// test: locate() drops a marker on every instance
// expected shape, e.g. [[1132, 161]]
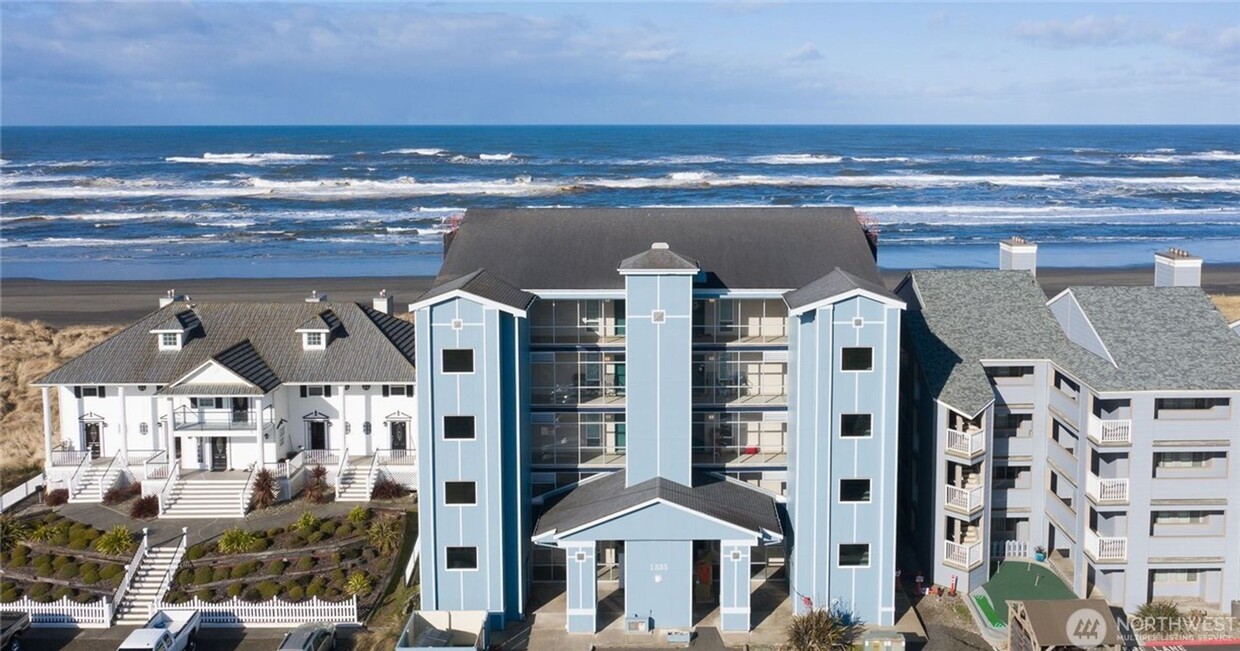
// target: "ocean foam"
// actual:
[[416, 152], [795, 159], [495, 157], [248, 158]]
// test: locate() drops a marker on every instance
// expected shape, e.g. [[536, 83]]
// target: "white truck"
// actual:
[[174, 629]]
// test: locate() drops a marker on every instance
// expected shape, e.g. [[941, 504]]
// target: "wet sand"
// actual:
[[75, 302]]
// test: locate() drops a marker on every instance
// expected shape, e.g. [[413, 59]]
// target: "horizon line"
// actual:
[[627, 125]]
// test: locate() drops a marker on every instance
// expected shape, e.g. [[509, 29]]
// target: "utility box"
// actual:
[[636, 624]]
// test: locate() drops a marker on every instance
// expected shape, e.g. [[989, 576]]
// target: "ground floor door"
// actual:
[[219, 453], [318, 434], [94, 438], [400, 434]]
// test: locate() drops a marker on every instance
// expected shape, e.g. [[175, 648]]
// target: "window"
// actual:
[[1175, 576], [314, 391], [458, 360], [1181, 459], [458, 427], [460, 493], [1011, 477], [1190, 403], [90, 392], [1065, 385], [206, 403], [855, 425], [169, 340], [857, 359], [854, 555], [461, 558], [1009, 371], [854, 490], [314, 340], [1180, 517], [397, 390]]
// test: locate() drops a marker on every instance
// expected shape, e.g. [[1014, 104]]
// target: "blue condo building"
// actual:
[[658, 411]]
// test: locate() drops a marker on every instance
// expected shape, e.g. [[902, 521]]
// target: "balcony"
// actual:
[[1110, 431], [965, 557], [577, 378], [740, 321], [966, 500], [1104, 549], [599, 394], [187, 418], [747, 378], [966, 444], [1106, 491], [740, 455], [577, 322]]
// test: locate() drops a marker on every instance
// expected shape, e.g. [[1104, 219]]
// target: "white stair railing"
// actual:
[[340, 468], [372, 474], [249, 488], [119, 463], [156, 466], [166, 582], [131, 570], [79, 475], [170, 484]]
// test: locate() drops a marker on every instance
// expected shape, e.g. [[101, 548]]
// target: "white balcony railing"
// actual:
[[1106, 548], [69, 457], [965, 557], [966, 500], [1106, 491], [186, 418], [969, 444], [1111, 431]]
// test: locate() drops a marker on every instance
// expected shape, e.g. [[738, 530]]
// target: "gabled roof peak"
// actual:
[[658, 258]]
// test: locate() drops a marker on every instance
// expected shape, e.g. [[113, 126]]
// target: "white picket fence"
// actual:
[[65, 613], [15, 495], [275, 613]]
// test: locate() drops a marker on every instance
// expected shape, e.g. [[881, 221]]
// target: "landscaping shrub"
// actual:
[[239, 572], [1159, 617], [118, 494], [344, 531], [358, 583], [196, 552], [56, 497], [236, 541], [235, 589], [61, 561], [205, 594], [823, 629], [384, 535], [267, 590], [12, 533], [175, 597], [39, 590], [252, 594], [359, 515], [316, 487], [89, 575], [44, 571], [294, 593], [9, 594], [386, 489], [275, 532], [314, 538], [327, 528], [202, 574], [118, 541], [337, 576], [337, 557], [19, 555], [45, 532], [305, 564], [78, 543], [266, 490], [67, 572], [316, 588], [219, 573], [275, 568], [145, 508], [261, 545], [369, 554], [60, 592], [306, 523], [111, 571]]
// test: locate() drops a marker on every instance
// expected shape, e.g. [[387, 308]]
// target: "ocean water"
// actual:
[[177, 202]]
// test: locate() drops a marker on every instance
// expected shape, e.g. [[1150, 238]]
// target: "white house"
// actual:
[[195, 390]]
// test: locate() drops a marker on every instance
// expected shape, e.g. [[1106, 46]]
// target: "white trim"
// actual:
[[869, 548], [477, 564], [840, 424], [443, 427], [840, 491], [1089, 322], [659, 272], [556, 535], [462, 294], [734, 610], [210, 362], [459, 481], [852, 293], [858, 370]]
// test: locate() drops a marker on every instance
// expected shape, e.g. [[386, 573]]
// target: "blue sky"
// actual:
[[597, 62]]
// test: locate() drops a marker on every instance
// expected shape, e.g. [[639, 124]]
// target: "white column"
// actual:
[[262, 443], [47, 427], [124, 423], [344, 427], [169, 426]]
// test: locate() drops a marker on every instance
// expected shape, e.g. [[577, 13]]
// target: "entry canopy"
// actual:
[[713, 508]]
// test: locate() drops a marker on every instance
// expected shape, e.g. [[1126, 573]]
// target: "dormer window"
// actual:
[[314, 340], [169, 340]]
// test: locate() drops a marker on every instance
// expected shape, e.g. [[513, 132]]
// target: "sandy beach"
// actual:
[[65, 303]]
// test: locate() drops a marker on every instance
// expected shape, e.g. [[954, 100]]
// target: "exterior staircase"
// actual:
[[98, 472], [134, 608], [206, 498], [352, 484]]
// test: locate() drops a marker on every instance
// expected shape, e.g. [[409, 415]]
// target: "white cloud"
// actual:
[[804, 53], [1087, 31], [651, 55]]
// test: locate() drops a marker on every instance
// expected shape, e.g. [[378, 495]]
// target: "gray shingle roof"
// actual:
[[361, 349], [482, 284], [211, 390], [1048, 619], [244, 360], [324, 321], [658, 258], [754, 248], [833, 284], [183, 321], [710, 495], [1161, 338]]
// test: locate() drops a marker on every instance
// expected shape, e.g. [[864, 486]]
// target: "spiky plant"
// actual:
[[1159, 617], [45, 532], [236, 541], [118, 541], [266, 490], [307, 523], [358, 583], [823, 630], [12, 532], [359, 514], [384, 535], [316, 487]]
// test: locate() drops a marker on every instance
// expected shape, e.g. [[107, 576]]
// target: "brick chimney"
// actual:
[[1017, 253], [1176, 268]]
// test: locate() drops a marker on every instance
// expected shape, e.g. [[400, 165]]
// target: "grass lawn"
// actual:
[[1017, 581]]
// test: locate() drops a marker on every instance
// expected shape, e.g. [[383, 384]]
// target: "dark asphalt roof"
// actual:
[[658, 258], [1048, 619], [184, 321], [833, 284], [753, 248], [710, 495], [366, 346], [482, 284]]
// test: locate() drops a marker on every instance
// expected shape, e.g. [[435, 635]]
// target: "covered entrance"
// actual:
[[92, 437], [675, 545], [398, 431], [316, 431], [218, 447]]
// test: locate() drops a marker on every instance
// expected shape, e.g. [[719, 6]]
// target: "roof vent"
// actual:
[[1018, 254], [316, 297], [661, 246], [1176, 268]]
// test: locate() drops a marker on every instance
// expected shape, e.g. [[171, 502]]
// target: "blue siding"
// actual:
[[658, 582]]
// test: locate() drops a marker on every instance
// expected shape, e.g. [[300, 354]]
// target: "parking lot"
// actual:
[[209, 639]]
